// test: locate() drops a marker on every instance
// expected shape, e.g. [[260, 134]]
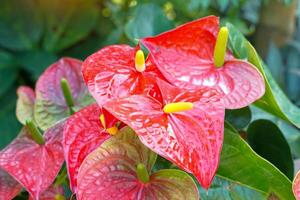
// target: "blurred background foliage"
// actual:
[[35, 33]]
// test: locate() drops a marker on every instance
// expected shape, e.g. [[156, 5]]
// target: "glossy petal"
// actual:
[[296, 186], [25, 104], [109, 173], [9, 187], [50, 104], [51, 193], [83, 133], [34, 166], [191, 139], [110, 73], [185, 57]]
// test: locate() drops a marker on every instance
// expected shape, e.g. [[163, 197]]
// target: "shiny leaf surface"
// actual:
[[25, 104], [240, 163], [109, 172], [268, 141], [50, 105], [185, 57], [83, 133], [191, 139], [110, 73], [34, 166]]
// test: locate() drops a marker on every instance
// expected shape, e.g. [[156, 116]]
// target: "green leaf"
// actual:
[[148, 20], [241, 164], [274, 101], [8, 73], [9, 126], [291, 133], [239, 118], [35, 62], [67, 22], [20, 24], [271, 145], [230, 190]]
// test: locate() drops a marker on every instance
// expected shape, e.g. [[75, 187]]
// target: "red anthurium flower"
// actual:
[[186, 127], [52, 193], [83, 133], [9, 187], [119, 169], [194, 55], [118, 71], [34, 165], [51, 105]]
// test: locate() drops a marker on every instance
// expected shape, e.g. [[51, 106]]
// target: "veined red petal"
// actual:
[[83, 133], [185, 57], [110, 73], [34, 166], [9, 187], [51, 193], [50, 104], [191, 139]]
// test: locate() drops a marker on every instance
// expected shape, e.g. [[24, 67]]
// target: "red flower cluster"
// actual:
[[175, 101]]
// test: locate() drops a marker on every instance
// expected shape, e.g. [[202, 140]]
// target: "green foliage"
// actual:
[[271, 145], [241, 164]]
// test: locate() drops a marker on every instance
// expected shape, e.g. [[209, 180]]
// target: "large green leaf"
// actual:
[[20, 24], [241, 164], [290, 132], [67, 22], [148, 20], [274, 101], [9, 126], [267, 140], [230, 190]]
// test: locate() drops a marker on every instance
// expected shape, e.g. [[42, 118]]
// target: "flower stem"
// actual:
[[142, 173], [35, 132], [65, 87]]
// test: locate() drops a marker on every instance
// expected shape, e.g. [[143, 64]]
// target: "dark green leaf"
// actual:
[[8, 73], [274, 101], [267, 140], [67, 22], [35, 62], [20, 24], [241, 164], [148, 20], [239, 118], [9, 126]]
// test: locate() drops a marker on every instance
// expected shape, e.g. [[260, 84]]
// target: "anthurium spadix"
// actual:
[[84, 132], [118, 71], [185, 127], [121, 169], [34, 160], [60, 91], [9, 187], [195, 55]]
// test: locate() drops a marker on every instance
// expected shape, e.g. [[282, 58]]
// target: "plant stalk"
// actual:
[[35, 132]]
